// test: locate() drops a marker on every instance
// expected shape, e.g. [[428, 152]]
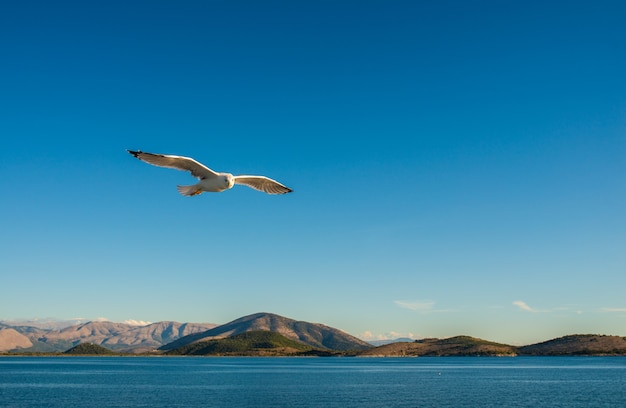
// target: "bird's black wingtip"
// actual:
[[135, 153]]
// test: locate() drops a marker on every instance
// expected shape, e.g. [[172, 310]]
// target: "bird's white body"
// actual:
[[222, 182], [209, 180]]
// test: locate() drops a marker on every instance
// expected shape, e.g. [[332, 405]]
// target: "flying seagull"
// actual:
[[210, 180]]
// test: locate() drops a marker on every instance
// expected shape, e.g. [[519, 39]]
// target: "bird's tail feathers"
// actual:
[[189, 190]]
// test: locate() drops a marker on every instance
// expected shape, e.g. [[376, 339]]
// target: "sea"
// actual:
[[312, 382]]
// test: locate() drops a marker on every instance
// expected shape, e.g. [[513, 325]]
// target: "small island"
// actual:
[[89, 349]]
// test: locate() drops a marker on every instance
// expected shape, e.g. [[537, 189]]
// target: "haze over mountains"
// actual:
[[115, 336]]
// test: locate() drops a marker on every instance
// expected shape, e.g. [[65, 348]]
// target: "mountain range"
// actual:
[[167, 336], [284, 336], [120, 337]]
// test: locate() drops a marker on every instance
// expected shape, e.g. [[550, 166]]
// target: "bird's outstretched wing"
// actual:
[[262, 183], [175, 162]]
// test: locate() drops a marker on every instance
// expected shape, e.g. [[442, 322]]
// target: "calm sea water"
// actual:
[[312, 382]]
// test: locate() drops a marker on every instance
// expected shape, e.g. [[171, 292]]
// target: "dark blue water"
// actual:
[[312, 382]]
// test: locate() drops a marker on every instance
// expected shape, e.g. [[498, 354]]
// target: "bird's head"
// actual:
[[229, 181]]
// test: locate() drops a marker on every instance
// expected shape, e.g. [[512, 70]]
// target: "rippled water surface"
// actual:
[[312, 382]]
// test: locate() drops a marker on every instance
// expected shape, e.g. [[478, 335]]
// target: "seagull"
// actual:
[[210, 181]]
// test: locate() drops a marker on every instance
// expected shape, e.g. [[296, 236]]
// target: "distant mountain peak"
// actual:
[[313, 334]]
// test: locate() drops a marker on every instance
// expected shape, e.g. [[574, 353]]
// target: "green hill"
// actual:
[[249, 343], [89, 349], [315, 335], [453, 346], [578, 345]]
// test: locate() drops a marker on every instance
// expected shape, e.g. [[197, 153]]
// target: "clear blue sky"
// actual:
[[458, 167]]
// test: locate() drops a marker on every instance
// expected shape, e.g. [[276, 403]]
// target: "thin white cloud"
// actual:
[[367, 335], [559, 309], [524, 306], [134, 322], [417, 305], [614, 309], [392, 335]]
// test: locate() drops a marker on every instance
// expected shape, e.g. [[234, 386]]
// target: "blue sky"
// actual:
[[458, 167]]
